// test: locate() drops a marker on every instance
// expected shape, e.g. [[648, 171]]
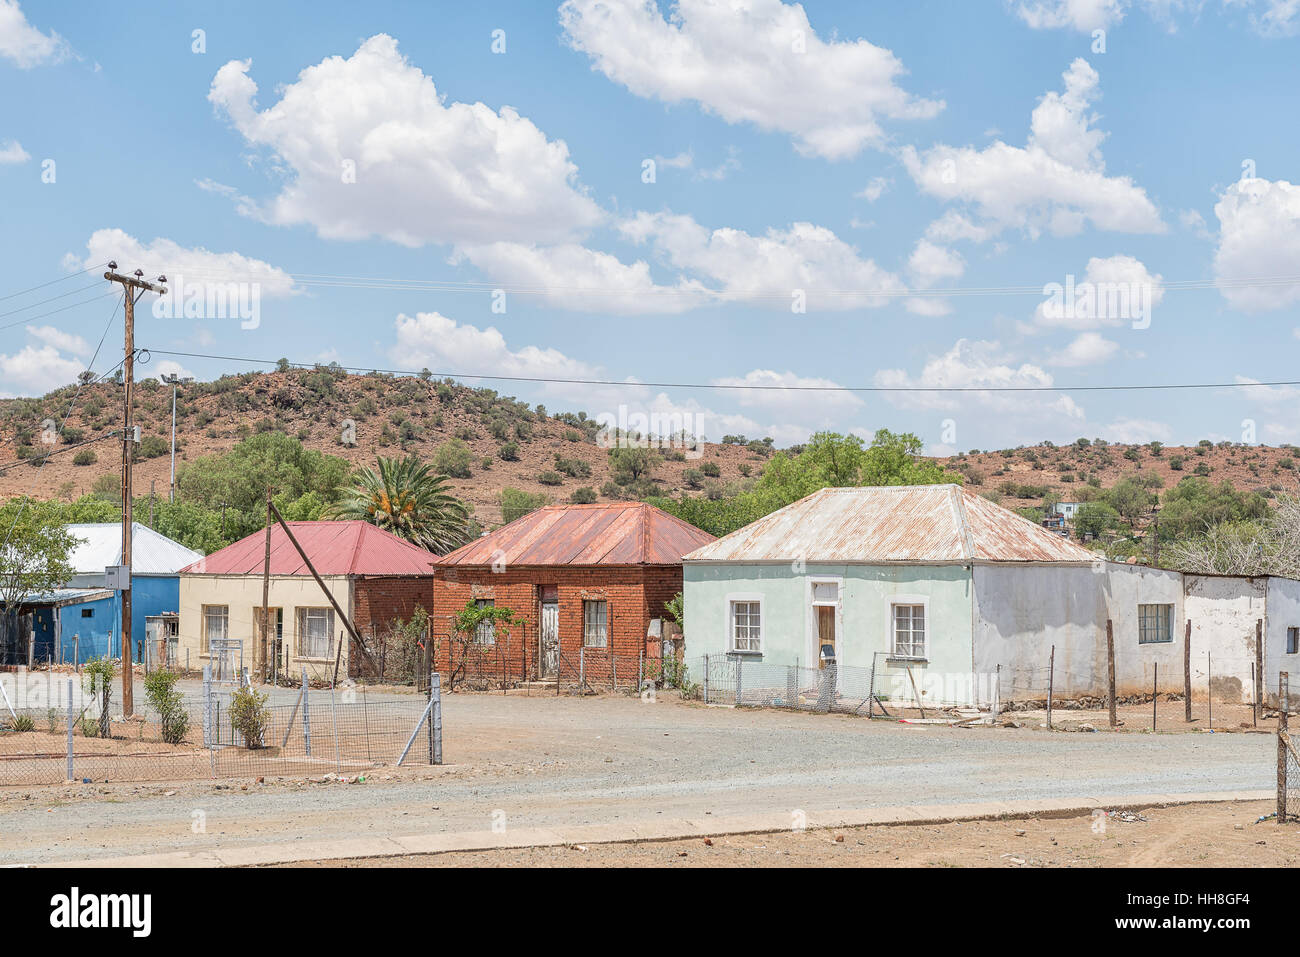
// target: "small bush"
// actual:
[[85, 457], [22, 722], [250, 716], [551, 478], [509, 452], [173, 719], [583, 496]]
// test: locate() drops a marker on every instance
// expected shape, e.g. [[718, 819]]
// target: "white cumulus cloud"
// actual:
[[770, 268], [24, 45], [749, 61], [1259, 238], [370, 148], [1056, 183]]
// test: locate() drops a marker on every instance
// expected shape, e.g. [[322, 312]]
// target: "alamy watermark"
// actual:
[[1127, 301], [211, 300]]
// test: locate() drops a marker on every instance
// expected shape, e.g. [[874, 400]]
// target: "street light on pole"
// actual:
[[174, 380]]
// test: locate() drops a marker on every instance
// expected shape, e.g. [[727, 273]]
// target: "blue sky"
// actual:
[[914, 173]]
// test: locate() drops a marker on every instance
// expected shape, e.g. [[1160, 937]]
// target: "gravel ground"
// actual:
[[546, 761], [1197, 835]]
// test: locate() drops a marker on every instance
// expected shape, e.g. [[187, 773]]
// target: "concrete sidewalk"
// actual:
[[659, 830]]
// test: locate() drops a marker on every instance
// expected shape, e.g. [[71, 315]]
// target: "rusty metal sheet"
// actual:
[[335, 548], [619, 533], [922, 524]]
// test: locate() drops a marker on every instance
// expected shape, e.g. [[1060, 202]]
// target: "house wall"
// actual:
[[1022, 612], [242, 594], [1283, 612], [863, 620], [150, 595], [378, 601], [1223, 611], [92, 637], [634, 595]]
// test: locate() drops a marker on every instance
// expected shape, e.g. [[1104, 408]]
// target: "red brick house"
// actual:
[[587, 581]]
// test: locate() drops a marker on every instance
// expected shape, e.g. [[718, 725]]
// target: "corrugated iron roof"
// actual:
[[335, 548], [918, 524], [152, 553], [66, 596], [618, 533]]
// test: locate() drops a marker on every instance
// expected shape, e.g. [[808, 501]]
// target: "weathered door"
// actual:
[[826, 650], [550, 639]]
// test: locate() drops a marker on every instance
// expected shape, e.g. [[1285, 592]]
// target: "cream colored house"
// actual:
[[373, 576]]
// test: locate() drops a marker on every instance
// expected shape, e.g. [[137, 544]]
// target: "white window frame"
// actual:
[[592, 639], [744, 599], [486, 631], [909, 601], [203, 631], [300, 616], [1169, 632]]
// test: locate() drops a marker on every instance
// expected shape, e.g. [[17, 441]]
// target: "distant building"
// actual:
[[938, 586], [1066, 510], [589, 581], [374, 575], [83, 619]]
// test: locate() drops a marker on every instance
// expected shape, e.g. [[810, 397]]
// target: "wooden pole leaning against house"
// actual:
[[338, 610]]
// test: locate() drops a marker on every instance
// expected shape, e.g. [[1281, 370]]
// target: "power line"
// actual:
[[73, 275], [757, 387], [59, 451], [900, 292], [74, 305]]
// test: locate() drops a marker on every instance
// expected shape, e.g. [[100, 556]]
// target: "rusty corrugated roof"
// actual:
[[620, 533], [918, 524], [335, 548]]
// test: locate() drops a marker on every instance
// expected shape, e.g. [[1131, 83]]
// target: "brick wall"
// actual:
[[634, 594], [379, 599]]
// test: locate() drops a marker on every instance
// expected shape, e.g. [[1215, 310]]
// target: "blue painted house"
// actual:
[[70, 624], [156, 562]]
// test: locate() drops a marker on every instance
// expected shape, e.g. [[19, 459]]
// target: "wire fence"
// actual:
[[334, 730]]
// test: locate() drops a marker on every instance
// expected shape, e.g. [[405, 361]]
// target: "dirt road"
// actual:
[[552, 762], [1196, 835]]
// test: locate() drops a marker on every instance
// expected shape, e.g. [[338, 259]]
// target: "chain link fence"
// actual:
[[338, 730]]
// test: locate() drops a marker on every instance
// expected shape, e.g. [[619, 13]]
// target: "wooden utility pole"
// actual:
[[1187, 672], [259, 654], [129, 298]]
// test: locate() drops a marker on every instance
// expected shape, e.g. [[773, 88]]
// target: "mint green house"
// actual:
[[899, 579]]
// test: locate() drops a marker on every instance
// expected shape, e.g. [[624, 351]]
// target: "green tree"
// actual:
[[516, 503], [35, 556], [1094, 518], [453, 458], [407, 499]]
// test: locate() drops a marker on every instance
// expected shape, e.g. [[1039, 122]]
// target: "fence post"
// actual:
[[871, 686], [306, 720], [1209, 689], [1283, 692], [740, 687], [1155, 692], [706, 679], [792, 686], [613, 670], [70, 720], [334, 723], [1110, 672], [1259, 664], [997, 691], [1187, 672], [207, 705], [582, 666], [435, 717], [1051, 679]]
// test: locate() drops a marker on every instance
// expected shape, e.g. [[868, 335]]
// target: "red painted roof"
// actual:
[[620, 533], [335, 548]]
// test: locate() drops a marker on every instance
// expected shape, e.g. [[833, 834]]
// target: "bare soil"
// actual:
[[1194, 835]]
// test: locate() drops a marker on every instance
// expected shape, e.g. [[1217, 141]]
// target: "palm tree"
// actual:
[[410, 501]]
